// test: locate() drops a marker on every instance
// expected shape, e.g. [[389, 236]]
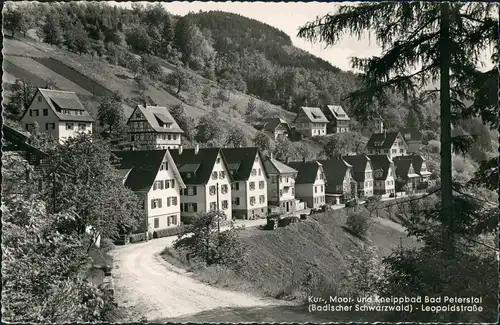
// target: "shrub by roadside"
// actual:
[[358, 221]]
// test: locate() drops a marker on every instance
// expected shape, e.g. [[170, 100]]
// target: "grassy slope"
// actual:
[[119, 79], [278, 261]]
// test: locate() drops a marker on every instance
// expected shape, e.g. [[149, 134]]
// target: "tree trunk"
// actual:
[[446, 167]]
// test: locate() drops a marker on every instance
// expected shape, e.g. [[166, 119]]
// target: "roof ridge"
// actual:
[[58, 91]]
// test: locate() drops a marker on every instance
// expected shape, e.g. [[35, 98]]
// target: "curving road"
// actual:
[[158, 290]]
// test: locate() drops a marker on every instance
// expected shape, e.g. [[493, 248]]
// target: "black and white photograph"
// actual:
[[250, 162]]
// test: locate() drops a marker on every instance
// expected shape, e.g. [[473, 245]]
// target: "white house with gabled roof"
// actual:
[[58, 113]]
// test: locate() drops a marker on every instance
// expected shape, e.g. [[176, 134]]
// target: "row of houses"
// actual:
[[243, 184]]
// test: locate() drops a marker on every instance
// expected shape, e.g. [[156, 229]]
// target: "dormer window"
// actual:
[[188, 175], [379, 143], [39, 98], [407, 136]]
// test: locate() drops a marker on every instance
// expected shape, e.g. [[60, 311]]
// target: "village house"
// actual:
[[154, 177], [406, 177], [419, 166], [340, 184], [384, 176], [58, 113], [413, 138], [310, 183], [310, 121], [339, 121], [391, 144], [153, 127], [249, 188], [276, 127], [280, 185], [368, 127], [362, 173], [208, 181]]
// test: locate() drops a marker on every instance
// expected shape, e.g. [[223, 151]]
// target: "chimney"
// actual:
[[180, 150], [196, 149]]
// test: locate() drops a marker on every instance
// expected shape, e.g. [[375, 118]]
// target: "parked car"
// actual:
[[272, 221], [283, 222]]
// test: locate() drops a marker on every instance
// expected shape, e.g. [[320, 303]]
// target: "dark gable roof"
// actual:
[[416, 161], [241, 160], [402, 167], [382, 140], [307, 171], [156, 116], [274, 166], [143, 166], [358, 163], [200, 165], [415, 134], [271, 124], [380, 162], [335, 171]]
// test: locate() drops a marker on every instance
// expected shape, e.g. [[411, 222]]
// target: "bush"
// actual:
[[167, 232], [187, 219], [358, 221], [136, 238]]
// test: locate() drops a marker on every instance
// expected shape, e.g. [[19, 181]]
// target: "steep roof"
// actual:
[[338, 112], [157, 116], [199, 165], [307, 171], [273, 166], [380, 162], [335, 170], [382, 140], [270, 124], [140, 168], [314, 114], [358, 163], [240, 161], [402, 167], [59, 100], [416, 161], [415, 134]]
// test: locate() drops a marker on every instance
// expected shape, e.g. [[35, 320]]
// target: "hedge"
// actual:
[[167, 232], [135, 238]]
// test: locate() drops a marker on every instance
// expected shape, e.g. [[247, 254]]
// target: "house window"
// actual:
[[218, 160], [39, 98], [254, 172], [45, 112], [50, 126], [169, 137], [252, 186], [394, 150], [155, 203], [281, 179], [321, 189], [213, 206], [222, 174], [237, 186], [281, 193], [293, 191], [164, 166], [236, 201], [401, 150], [261, 184], [224, 205], [273, 179], [69, 126], [224, 189], [262, 199], [158, 185], [252, 200], [214, 175], [82, 126], [212, 190], [260, 172], [156, 222], [315, 189]]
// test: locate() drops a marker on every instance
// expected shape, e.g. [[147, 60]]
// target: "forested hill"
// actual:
[[235, 32]]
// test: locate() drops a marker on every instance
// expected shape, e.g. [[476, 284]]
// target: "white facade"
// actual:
[[163, 198], [41, 112], [387, 186], [398, 148], [250, 197], [367, 186], [313, 193], [219, 183]]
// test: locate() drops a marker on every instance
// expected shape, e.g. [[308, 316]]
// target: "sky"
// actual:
[[289, 17]]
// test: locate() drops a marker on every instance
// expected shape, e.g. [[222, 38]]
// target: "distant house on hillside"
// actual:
[[208, 181], [340, 184], [249, 189], [58, 113], [17, 141], [391, 144], [418, 163], [339, 122], [154, 127], [276, 127], [406, 177], [280, 185], [383, 174], [153, 176], [310, 183], [363, 174], [413, 138], [310, 121], [367, 128]]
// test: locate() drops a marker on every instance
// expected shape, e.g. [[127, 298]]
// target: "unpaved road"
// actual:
[[158, 290]]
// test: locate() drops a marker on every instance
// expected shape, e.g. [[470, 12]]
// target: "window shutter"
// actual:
[[159, 203], [168, 221], [195, 207], [173, 183], [195, 189], [152, 204], [168, 201]]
